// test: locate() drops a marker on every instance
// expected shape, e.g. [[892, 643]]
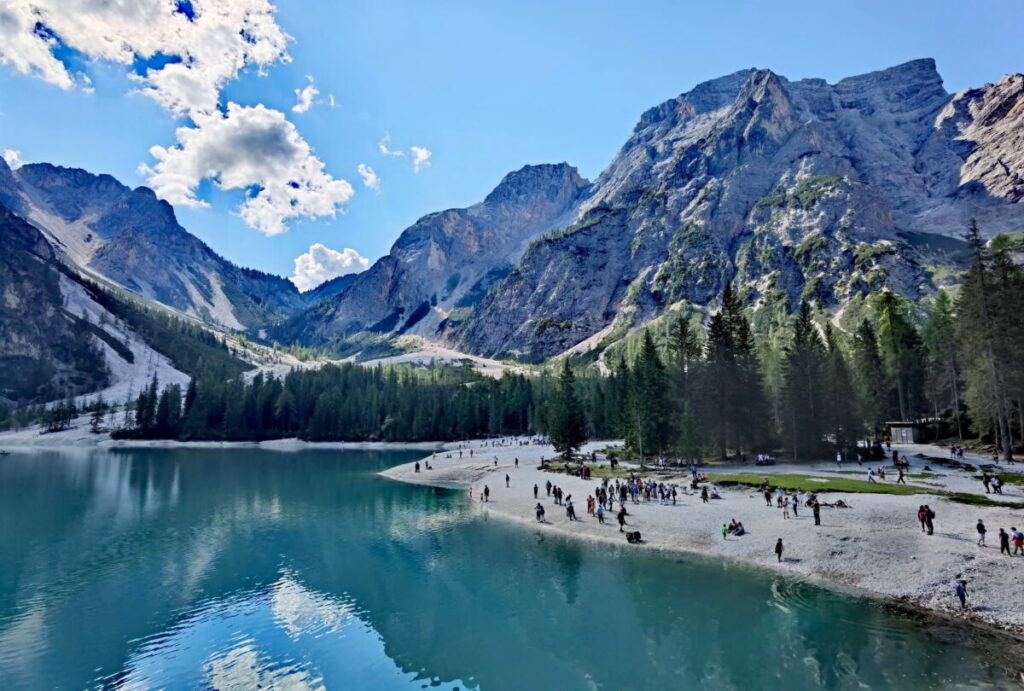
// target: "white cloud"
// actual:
[[13, 158], [213, 41], [370, 178], [254, 149], [330, 101], [322, 263], [382, 146], [420, 157], [306, 97]]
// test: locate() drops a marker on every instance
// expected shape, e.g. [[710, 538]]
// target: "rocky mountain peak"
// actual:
[[549, 182]]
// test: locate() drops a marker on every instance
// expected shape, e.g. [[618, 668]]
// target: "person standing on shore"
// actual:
[[535, 490], [1004, 542], [725, 532], [929, 518], [922, 516], [621, 517], [540, 512], [778, 550], [768, 498], [816, 507], [785, 507], [961, 593], [1018, 541], [506, 480], [600, 514], [547, 485], [487, 493], [981, 533], [704, 494]]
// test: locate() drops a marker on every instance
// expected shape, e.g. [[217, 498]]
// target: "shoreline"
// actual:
[[891, 561]]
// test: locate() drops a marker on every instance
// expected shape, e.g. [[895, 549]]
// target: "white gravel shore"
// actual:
[[875, 546]]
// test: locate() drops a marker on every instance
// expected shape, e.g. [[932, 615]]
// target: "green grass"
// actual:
[[808, 482], [820, 484]]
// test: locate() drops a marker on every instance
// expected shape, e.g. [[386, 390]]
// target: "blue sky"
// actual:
[[487, 87]]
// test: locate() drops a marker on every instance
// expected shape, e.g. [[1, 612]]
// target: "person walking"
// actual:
[[725, 532], [600, 514], [985, 479], [768, 498], [981, 533], [796, 503], [1004, 542], [778, 550], [961, 593], [517, 461], [1018, 541], [922, 516], [621, 518], [901, 480], [704, 494], [570, 512], [540, 512], [929, 518], [785, 507], [535, 490], [487, 493], [547, 485], [506, 480]]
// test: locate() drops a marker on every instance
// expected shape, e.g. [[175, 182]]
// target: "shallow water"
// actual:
[[237, 568]]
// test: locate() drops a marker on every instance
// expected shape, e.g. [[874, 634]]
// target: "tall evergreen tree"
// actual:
[[901, 350], [804, 368], [870, 378], [942, 382], [646, 428], [566, 421]]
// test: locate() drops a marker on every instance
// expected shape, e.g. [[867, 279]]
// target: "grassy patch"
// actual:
[[820, 484]]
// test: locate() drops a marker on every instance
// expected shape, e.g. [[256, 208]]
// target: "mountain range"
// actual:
[[788, 190]]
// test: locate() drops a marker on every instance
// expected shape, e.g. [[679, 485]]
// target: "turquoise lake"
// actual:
[[237, 569]]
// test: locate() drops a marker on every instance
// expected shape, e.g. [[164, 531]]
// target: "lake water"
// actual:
[[237, 568]]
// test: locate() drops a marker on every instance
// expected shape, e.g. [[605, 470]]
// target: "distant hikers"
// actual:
[[981, 533], [778, 550], [961, 593]]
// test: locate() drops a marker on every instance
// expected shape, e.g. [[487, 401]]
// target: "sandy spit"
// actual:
[[876, 547]]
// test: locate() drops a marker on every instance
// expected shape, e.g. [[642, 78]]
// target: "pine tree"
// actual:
[[845, 424], [988, 314], [566, 421], [869, 377], [901, 350], [942, 382], [804, 370], [646, 428]]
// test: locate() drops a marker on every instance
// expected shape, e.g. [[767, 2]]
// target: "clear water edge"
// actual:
[[172, 568]]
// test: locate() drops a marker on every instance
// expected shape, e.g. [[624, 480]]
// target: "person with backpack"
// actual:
[[929, 518], [922, 516]]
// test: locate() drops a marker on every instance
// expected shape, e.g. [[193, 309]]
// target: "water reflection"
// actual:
[[176, 569]]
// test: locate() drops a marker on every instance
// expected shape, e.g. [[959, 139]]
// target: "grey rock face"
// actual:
[[44, 352], [791, 189], [132, 238], [446, 262]]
